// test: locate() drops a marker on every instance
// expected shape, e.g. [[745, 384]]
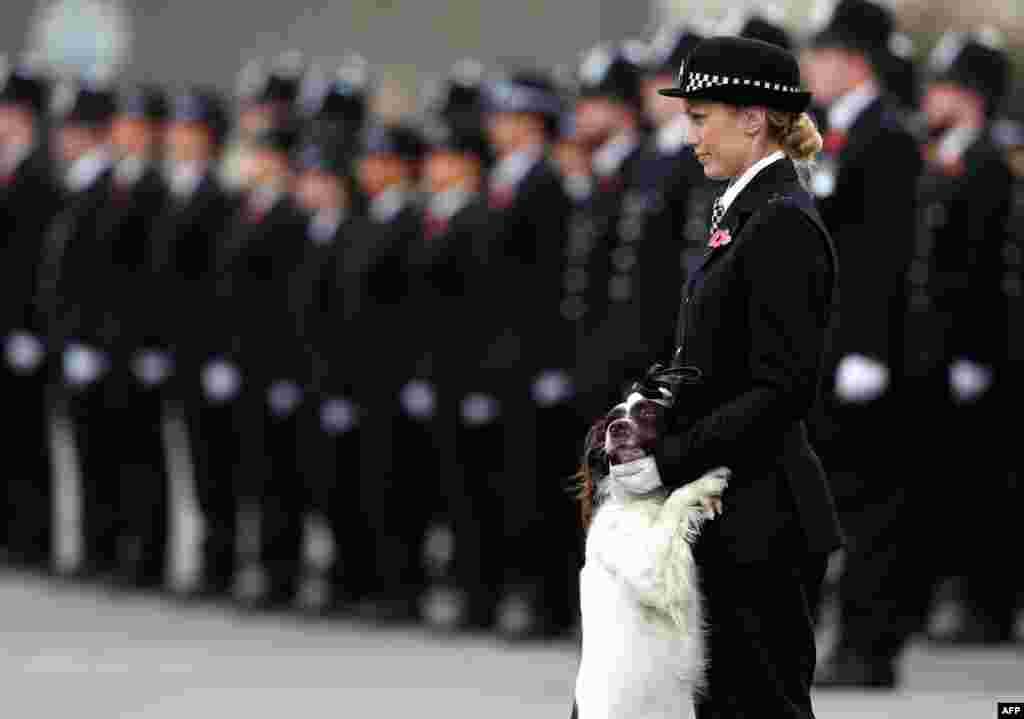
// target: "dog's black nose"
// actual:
[[620, 429]]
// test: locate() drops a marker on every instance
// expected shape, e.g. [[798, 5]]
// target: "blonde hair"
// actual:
[[797, 134]]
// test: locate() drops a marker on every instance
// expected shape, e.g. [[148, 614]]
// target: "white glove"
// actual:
[[24, 352], [152, 367], [479, 409], [83, 365], [419, 399], [861, 379], [637, 477], [284, 396], [338, 416], [221, 381], [552, 387], [969, 380]]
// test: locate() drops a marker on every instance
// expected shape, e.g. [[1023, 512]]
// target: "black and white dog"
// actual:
[[643, 633]]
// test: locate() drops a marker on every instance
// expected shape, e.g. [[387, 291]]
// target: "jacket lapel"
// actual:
[[768, 183]]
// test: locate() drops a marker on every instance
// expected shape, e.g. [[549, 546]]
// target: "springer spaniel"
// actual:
[[643, 634]]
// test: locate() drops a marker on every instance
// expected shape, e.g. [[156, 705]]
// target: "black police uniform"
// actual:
[[376, 308], [137, 198], [756, 327], [666, 179], [865, 183], [527, 231], [77, 276], [960, 301], [264, 309], [186, 241], [29, 200]]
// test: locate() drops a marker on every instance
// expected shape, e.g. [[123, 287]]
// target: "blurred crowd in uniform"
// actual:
[[405, 327]]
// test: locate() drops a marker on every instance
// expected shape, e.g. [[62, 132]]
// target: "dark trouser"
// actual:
[[397, 468], [476, 514], [26, 493], [538, 547], [761, 649], [144, 484], [283, 500], [118, 431], [216, 441], [895, 467], [333, 479]]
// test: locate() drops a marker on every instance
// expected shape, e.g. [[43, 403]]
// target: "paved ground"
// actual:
[[91, 655]]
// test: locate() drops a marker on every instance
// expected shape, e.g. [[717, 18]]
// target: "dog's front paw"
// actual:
[[709, 489]]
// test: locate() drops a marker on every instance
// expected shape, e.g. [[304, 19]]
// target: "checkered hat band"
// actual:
[[700, 81]]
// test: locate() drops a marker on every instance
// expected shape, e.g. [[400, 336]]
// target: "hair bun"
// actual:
[[803, 141]]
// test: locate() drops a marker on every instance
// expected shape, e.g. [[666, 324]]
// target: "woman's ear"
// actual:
[[753, 120]]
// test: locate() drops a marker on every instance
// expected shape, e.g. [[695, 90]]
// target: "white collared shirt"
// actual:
[[129, 169], [12, 156], [955, 142], [609, 157], [325, 224], [86, 169], [389, 203], [264, 198], [445, 205], [671, 136], [184, 178], [846, 109], [745, 179], [511, 170]]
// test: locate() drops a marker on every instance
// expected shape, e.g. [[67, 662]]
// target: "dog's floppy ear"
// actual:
[[593, 467]]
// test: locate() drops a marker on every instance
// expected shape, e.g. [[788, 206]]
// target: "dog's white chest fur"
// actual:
[[643, 643]]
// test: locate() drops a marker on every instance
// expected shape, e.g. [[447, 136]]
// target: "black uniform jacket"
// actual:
[[524, 269], [375, 291], [258, 322], [647, 258], [871, 215], [754, 320], [28, 203], [73, 281], [965, 254], [182, 272]]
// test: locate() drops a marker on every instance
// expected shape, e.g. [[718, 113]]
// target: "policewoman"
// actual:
[[754, 319]]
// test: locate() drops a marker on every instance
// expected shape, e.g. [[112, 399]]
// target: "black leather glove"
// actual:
[[662, 383]]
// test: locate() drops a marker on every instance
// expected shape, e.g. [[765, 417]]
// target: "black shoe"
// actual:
[[846, 670]]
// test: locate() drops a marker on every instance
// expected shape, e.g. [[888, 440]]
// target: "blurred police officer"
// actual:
[[337, 107], [73, 288], [443, 273], [29, 199], [266, 96], [330, 454], [264, 324], [961, 283], [530, 353], [599, 259], [186, 245], [666, 179], [139, 371], [865, 183], [377, 287]]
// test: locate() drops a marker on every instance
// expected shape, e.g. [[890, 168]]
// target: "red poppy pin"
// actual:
[[719, 238]]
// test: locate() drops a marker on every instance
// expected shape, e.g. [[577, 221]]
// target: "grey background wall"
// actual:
[[178, 41]]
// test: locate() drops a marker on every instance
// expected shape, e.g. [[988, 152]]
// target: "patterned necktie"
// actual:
[[717, 213]]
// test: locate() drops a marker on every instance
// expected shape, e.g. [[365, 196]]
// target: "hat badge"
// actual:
[[63, 99], [595, 66]]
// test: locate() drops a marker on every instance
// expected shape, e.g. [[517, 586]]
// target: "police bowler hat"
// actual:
[[741, 71]]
